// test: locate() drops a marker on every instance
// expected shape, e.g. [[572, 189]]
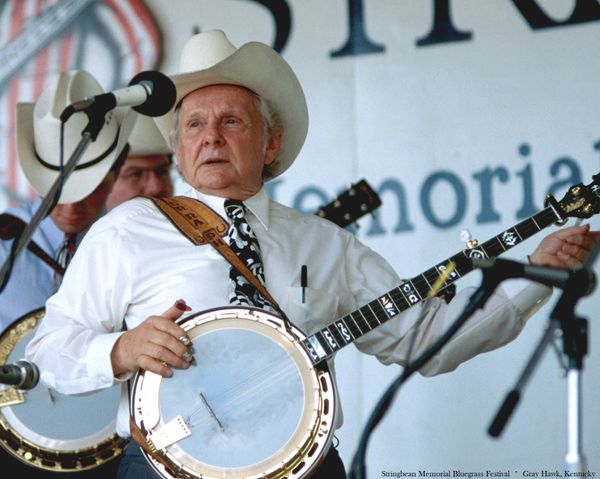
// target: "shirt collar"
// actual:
[[258, 204]]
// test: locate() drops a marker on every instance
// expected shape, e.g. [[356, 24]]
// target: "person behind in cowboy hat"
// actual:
[[82, 200], [241, 119], [147, 169], [83, 196]]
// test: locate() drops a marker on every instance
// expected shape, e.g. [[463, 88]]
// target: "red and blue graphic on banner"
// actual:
[[112, 39]]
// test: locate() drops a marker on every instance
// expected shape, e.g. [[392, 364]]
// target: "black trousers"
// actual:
[[135, 466], [17, 469]]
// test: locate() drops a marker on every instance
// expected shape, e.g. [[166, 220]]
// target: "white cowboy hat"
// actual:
[[146, 139], [38, 137], [209, 58]]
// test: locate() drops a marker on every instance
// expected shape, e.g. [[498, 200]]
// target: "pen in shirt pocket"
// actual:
[[303, 281]]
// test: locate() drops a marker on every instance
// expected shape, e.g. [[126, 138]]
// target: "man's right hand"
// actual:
[[156, 345]]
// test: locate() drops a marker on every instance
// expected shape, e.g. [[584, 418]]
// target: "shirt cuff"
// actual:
[[527, 296], [99, 363]]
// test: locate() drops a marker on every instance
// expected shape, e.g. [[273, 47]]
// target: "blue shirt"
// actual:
[[30, 282]]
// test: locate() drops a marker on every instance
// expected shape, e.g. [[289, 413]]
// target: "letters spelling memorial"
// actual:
[[561, 173]]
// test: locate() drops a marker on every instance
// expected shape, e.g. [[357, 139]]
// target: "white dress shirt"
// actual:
[[134, 263]]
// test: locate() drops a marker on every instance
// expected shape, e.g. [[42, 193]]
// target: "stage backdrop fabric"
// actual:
[[463, 115]]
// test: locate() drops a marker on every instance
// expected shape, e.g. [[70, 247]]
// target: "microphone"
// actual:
[[558, 277], [22, 374], [150, 93]]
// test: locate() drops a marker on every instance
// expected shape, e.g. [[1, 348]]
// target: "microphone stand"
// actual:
[[95, 116], [574, 335], [491, 280]]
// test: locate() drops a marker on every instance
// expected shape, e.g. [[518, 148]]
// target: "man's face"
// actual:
[[76, 217], [222, 147], [142, 175]]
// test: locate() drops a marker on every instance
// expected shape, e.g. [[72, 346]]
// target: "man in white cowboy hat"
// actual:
[[83, 196], [35, 275], [241, 119], [147, 169]]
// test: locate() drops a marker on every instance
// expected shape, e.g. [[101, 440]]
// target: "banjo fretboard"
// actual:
[[326, 342]]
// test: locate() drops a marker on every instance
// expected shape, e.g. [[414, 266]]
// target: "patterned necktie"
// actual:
[[243, 242], [63, 257]]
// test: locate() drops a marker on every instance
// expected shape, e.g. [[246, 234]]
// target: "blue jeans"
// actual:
[[135, 466]]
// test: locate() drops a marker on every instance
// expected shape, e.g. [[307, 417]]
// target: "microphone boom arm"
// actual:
[[477, 301]]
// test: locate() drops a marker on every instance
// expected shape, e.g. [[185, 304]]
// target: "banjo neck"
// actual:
[[580, 201]]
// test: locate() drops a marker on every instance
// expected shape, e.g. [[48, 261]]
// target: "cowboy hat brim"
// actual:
[[82, 181]]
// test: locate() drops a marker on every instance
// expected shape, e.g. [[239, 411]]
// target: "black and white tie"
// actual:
[[63, 257], [243, 242]]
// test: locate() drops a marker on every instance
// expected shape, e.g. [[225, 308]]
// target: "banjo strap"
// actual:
[[201, 225]]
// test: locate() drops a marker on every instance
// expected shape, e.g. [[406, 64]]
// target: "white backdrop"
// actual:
[[510, 98], [469, 133]]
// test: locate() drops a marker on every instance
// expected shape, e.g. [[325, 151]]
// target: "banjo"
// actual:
[[260, 400], [69, 434], [49, 430]]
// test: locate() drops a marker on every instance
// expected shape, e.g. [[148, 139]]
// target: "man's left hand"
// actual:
[[565, 248]]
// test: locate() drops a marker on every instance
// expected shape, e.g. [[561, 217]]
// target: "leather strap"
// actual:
[[12, 227], [138, 436], [201, 225]]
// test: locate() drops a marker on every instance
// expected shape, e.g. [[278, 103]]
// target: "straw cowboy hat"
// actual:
[[146, 139], [209, 58], [38, 137]]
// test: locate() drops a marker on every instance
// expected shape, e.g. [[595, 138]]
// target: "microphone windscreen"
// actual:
[[162, 97]]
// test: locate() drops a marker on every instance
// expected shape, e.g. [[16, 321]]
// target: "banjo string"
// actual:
[[228, 400]]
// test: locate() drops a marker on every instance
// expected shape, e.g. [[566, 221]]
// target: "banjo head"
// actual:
[[49, 430], [251, 405]]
